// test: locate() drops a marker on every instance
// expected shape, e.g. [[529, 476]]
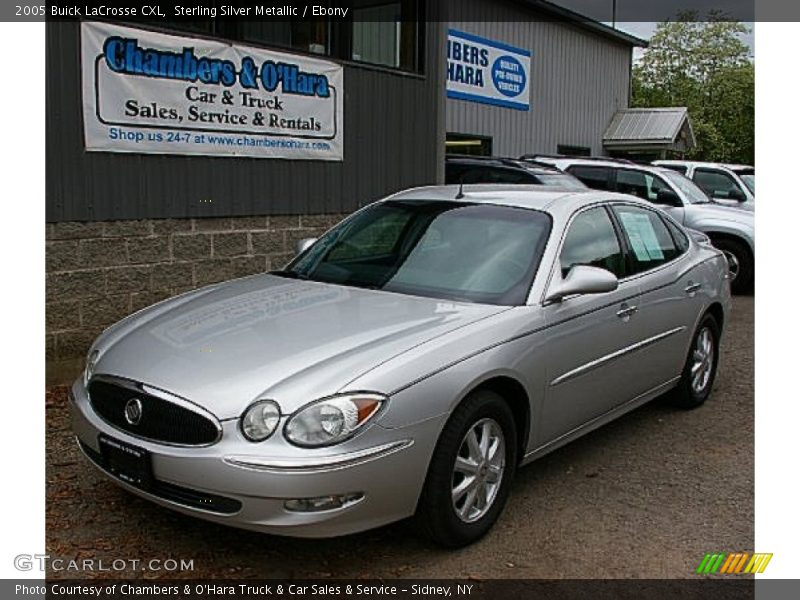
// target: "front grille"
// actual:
[[174, 493], [161, 420]]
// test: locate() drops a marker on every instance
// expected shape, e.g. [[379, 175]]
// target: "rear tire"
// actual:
[[740, 261], [469, 478], [700, 370]]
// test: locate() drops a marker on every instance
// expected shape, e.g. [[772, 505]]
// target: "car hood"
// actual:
[[748, 206], [722, 212], [268, 336]]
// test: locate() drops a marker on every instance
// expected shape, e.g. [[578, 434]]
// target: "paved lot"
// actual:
[[645, 496]]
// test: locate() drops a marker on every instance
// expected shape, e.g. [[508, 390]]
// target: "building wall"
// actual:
[[578, 80], [391, 124], [98, 272]]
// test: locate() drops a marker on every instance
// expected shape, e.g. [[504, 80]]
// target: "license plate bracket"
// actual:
[[125, 461]]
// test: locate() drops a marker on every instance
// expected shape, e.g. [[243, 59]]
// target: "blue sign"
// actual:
[[487, 71]]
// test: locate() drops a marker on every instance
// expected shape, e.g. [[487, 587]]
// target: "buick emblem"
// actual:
[[133, 411]]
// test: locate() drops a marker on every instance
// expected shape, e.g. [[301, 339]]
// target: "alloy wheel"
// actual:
[[478, 470], [702, 360]]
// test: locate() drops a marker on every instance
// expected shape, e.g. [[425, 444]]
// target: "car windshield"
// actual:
[[443, 249], [561, 180], [689, 188], [749, 178]]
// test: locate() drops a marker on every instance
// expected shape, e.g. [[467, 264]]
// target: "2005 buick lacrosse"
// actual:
[[407, 362]]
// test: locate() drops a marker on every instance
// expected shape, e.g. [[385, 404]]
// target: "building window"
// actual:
[[472, 145], [387, 34], [382, 33], [568, 150]]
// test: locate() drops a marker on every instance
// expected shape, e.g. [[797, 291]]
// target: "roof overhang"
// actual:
[[559, 13], [667, 128]]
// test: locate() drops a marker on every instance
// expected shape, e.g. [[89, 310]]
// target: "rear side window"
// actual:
[[648, 238], [456, 175], [597, 178], [501, 175], [680, 239], [592, 241]]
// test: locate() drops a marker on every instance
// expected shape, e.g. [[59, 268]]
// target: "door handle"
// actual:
[[692, 288], [626, 311]]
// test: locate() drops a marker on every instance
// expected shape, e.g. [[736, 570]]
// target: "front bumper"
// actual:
[[242, 484]]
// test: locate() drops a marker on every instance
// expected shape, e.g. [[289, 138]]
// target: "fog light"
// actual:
[[322, 502]]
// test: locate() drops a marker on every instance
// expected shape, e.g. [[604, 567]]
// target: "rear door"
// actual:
[[670, 292]]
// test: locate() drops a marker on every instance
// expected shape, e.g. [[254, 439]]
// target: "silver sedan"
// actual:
[[407, 362]]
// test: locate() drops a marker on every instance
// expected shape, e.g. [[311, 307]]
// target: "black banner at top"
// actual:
[[605, 11]]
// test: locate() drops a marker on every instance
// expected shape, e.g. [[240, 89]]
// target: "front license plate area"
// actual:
[[129, 463]]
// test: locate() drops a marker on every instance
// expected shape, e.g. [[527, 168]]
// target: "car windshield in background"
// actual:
[[561, 180], [689, 188], [749, 178], [450, 250]]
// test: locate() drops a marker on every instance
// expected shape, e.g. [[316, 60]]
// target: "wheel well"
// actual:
[[715, 310], [712, 235], [515, 395]]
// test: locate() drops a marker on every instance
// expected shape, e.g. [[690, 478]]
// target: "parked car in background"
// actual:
[[474, 169], [722, 182], [731, 229], [407, 362]]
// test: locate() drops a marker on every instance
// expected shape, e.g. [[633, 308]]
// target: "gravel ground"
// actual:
[[646, 496]]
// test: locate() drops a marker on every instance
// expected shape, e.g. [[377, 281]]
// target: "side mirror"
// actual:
[[304, 245], [583, 279], [736, 194], [668, 198]]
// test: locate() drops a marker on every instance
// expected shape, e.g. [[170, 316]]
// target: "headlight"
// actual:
[[260, 420], [91, 362], [331, 420]]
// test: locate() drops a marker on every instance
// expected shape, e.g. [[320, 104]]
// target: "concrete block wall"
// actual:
[[99, 272]]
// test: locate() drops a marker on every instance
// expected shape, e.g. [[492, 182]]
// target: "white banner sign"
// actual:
[[487, 71], [166, 94]]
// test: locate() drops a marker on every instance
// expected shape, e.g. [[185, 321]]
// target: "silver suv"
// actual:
[[730, 228], [729, 184]]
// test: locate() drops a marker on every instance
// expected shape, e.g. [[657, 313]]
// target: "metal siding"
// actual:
[[390, 122], [579, 79]]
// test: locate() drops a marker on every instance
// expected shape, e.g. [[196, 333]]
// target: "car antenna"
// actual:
[[460, 193]]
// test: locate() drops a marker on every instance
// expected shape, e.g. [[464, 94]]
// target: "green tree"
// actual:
[[705, 66]]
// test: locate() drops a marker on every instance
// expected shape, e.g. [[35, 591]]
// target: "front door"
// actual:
[[590, 366]]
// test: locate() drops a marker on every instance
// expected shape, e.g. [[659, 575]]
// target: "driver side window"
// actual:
[[592, 241], [715, 183]]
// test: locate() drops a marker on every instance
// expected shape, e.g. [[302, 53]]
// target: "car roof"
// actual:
[[564, 163], [499, 161], [550, 199], [700, 163]]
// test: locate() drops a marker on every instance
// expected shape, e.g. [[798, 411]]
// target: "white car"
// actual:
[[731, 229], [725, 183]]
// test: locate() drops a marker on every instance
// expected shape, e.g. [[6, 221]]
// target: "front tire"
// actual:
[[469, 478], [700, 369]]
